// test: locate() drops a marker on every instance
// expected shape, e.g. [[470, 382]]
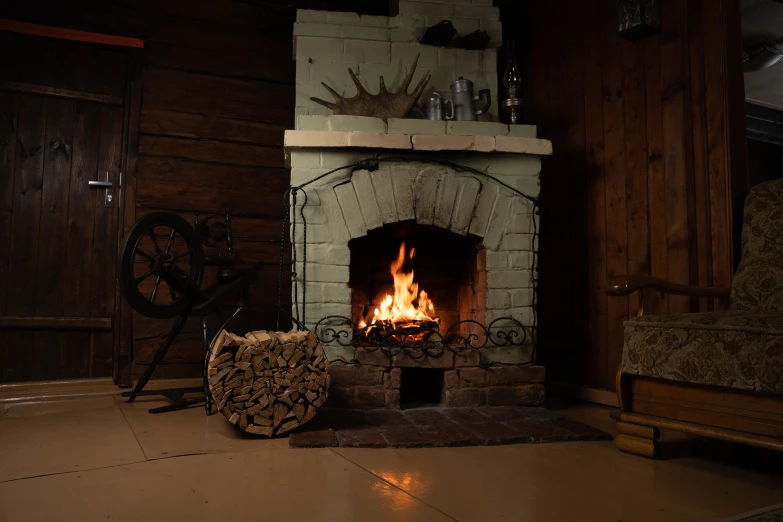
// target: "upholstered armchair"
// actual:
[[716, 374]]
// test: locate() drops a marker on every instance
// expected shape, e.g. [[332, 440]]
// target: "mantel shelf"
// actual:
[[308, 139]]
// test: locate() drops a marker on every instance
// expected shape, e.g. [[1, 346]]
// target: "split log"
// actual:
[[268, 383]]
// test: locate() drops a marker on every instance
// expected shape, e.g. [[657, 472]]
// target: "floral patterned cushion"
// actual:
[[735, 348], [758, 283]]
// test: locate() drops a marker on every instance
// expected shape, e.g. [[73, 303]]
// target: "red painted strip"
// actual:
[[69, 34]]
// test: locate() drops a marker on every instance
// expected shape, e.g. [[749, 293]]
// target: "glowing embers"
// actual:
[[407, 314]]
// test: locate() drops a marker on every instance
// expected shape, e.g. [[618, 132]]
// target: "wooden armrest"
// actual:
[[628, 284]]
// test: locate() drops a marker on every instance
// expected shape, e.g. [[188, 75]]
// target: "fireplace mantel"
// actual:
[[417, 135]]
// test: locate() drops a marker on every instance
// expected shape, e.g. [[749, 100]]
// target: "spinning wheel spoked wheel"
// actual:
[[161, 264]]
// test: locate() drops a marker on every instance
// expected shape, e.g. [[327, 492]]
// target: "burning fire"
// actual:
[[409, 306]]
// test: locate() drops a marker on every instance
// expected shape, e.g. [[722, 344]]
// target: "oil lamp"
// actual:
[[513, 82]]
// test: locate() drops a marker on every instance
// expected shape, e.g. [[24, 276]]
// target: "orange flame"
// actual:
[[400, 307]]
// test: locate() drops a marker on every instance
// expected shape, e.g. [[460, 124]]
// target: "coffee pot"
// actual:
[[465, 102]]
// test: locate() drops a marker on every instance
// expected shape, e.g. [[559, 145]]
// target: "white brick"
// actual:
[[508, 279], [374, 21], [315, 234], [515, 242], [483, 2], [498, 299], [312, 111], [476, 11], [476, 128], [412, 126], [309, 122], [302, 72], [427, 142], [497, 223], [369, 74], [405, 34], [314, 293], [440, 81], [322, 30], [402, 181], [526, 184], [478, 162], [343, 18], [447, 195], [352, 213], [324, 254], [379, 140], [317, 273], [521, 298], [523, 259], [408, 20], [304, 139], [335, 158], [365, 193], [365, 33], [334, 216], [489, 62], [465, 203], [300, 176], [520, 223], [384, 190], [314, 215], [447, 58], [497, 260], [524, 146], [465, 26], [305, 159], [491, 26], [408, 7], [486, 202], [425, 191], [309, 15], [484, 143], [306, 196], [340, 122], [362, 51], [336, 293], [332, 74], [517, 165], [318, 49], [468, 64], [406, 53]]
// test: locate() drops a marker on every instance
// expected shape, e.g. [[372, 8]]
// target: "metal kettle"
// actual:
[[465, 102]]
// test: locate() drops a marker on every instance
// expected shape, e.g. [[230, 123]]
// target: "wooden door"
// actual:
[[61, 125]]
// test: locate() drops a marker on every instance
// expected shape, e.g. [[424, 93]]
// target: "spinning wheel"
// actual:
[[160, 268], [161, 264]]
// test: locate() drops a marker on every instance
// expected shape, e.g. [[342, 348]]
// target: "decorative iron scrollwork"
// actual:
[[420, 341]]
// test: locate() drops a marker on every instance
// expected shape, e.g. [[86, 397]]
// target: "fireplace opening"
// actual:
[[405, 277], [421, 387]]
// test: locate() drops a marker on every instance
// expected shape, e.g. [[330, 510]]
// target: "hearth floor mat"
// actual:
[[440, 427]]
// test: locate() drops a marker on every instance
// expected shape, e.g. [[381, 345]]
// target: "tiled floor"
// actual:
[[101, 459]]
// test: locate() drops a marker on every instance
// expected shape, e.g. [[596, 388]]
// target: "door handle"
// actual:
[[111, 177]]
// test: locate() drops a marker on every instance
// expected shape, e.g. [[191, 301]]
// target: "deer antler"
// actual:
[[384, 105]]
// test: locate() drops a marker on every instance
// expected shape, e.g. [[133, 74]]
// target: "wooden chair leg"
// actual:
[[637, 439]]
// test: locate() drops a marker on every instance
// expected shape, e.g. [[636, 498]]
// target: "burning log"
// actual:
[[268, 383]]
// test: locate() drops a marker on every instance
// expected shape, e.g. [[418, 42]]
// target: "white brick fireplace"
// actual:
[[410, 185]]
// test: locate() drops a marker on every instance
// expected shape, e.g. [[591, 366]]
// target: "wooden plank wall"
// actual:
[[217, 95], [649, 170]]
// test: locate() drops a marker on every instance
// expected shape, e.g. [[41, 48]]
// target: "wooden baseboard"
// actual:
[[45, 391], [582, 393]]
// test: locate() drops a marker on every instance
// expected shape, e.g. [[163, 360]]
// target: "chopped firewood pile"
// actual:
[[268, 383]]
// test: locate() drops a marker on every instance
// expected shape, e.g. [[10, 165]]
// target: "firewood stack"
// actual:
[[268, 383]]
